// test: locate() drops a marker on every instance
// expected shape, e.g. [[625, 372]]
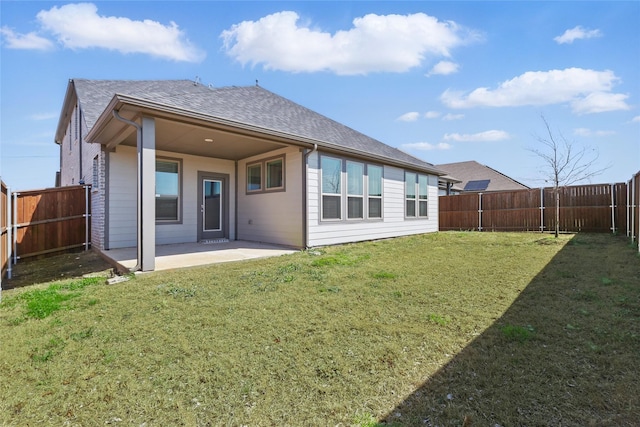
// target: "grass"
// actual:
[[506, 329]]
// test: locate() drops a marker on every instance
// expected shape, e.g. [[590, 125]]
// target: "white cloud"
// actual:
[[432, 114], [43, 116], [487, 136], [449, 117], [78, 26], [599, 102], [409, 117], [444, 68], [588, 132], [375, 43], [577, 33], [588, 91], [426, 146], [636, 119], [30, 41]]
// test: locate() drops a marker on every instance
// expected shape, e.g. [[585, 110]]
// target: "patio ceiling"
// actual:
[[184, 133], [201, 141]]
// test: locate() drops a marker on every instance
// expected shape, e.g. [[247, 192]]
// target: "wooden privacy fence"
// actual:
[[46, 221], [612, 208]]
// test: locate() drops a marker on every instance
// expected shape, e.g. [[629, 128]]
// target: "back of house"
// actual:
[[173, 161]]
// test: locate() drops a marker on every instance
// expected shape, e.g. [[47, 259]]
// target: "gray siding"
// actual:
[[393, 223]]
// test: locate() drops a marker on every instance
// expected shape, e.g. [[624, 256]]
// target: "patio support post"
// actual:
[[147, 195]]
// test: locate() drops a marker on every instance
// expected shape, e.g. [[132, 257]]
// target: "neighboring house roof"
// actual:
[[250, 105], [476, 177]]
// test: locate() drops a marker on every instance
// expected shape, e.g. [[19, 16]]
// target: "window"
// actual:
[[331, 188], [167, 190], [374, 174], [355, 190], [254, 177], [410, 193], [273, 178], [274, 173], [423, 195], [362, 190], [95, 183], [416, 195]]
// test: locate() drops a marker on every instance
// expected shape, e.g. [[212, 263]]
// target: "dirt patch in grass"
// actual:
[[56, 267]]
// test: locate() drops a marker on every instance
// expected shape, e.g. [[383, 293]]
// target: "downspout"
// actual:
[[305, 196], [139, 204]]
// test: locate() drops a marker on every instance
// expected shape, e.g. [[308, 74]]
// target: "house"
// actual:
[[473, 177], [176, 162]]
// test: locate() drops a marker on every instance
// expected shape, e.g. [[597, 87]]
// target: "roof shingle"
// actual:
[[250, 105]]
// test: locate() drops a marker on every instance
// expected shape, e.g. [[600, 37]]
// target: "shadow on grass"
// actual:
[[566, 352], [56, 267]]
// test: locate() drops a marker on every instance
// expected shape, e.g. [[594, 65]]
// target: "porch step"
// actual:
[[213, 241]]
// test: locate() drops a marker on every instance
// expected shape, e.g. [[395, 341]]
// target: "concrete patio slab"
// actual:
[[192, 254]]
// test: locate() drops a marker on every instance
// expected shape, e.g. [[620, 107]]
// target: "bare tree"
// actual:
[[564, 164]]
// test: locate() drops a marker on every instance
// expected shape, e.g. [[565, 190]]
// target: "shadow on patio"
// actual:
[[193, 254], [566, 352]]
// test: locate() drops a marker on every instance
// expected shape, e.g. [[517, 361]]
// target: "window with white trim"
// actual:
[[374, 184], [355, 190], [167, 190], [265, 175], [410, 194], [423, 195], [350, 190], [331, 188], [416, 195]]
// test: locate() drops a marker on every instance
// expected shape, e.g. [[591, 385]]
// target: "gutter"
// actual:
[[139, 195]]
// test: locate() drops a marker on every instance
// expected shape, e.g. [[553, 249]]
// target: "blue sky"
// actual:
[[445, 81]]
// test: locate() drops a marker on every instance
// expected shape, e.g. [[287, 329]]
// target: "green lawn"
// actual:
[[504, 329]]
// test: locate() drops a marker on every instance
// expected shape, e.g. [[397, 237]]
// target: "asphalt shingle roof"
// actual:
[[250, 105]]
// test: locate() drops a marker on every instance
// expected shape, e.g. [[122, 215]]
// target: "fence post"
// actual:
[[479, 211], [15, 227], [86, 217], [613, 209], [633, 210], [541, 209], [9, 233], [628, 215]]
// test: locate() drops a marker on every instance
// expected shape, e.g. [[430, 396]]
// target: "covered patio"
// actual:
[[181, 255]]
